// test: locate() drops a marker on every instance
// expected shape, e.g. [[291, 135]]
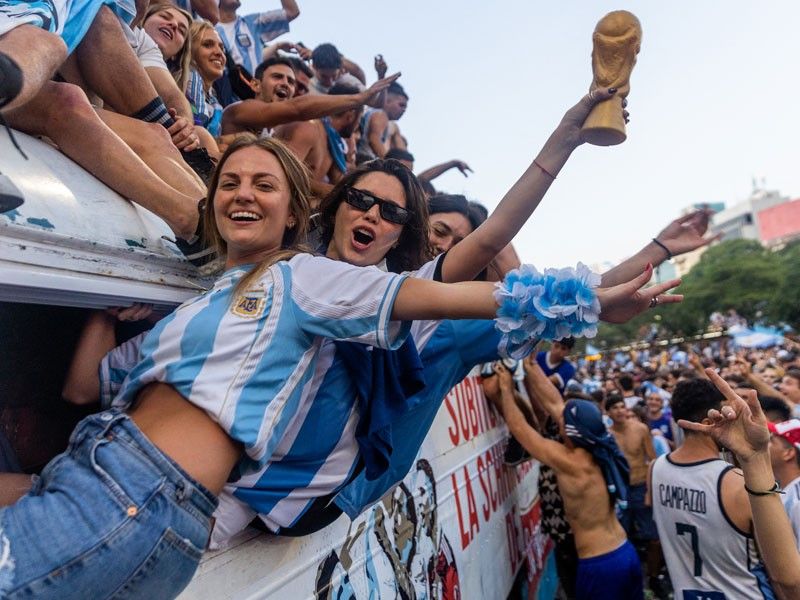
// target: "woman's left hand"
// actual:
[[622, 302], [686, 233], [569, 129]]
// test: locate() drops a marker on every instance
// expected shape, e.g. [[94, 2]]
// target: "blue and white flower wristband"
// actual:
[[552, 305]]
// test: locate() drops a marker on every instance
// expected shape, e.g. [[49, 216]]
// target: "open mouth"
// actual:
[[282, 94], [167, 33], [218, 63], [245, 217], [362, 238]]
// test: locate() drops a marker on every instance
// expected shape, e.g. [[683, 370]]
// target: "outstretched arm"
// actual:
[[467, 258], [683, 235], [542, 389], [82, 383], [761, 386], [256, 114], [741, 427], [437, 170], [547, 451], [431, 300]]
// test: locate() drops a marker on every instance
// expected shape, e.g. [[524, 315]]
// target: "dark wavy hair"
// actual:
[[693, 398], [413, 249]]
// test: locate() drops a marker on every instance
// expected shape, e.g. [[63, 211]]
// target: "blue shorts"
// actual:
[[69, 19], [49, 15], [637, 519], [82, 14], [111, 516], [616, 575]]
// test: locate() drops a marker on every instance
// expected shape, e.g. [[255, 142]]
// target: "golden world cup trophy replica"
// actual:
[[617, 39]]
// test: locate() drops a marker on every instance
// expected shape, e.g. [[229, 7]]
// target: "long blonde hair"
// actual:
[[178, 65], [299, 181], [196, 33]]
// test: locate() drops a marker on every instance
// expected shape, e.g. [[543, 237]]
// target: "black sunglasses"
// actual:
[[364, 201]]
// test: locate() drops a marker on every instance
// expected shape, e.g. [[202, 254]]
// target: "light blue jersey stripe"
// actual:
[[247, 360]]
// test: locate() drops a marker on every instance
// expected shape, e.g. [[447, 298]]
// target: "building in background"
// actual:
[[780, 224], [741, 220]]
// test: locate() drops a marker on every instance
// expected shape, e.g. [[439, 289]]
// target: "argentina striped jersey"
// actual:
[[317, 453], [249, 360]]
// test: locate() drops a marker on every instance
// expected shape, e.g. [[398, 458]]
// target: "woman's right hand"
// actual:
[[622, 302]]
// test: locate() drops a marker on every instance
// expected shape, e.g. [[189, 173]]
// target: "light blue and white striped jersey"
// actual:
[[246, 37], [317, 453], [249, 360]]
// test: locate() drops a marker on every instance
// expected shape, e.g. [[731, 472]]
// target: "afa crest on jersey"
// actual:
[[251, 304]]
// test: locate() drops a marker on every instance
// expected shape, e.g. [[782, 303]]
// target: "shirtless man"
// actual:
[[592, 474], [321, 143], [275, 103], [379, 132], [636, 442]]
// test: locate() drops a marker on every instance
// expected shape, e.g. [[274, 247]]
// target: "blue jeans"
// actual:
[[111, 516]]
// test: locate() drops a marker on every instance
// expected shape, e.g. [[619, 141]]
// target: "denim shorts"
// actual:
[[111, 516]]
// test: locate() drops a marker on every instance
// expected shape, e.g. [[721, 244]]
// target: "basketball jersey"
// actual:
[[791, 502], [707, 556]]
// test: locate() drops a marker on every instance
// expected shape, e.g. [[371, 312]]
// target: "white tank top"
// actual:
[[707, 556]]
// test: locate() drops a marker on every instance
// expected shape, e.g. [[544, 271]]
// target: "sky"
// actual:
[[714, 103]]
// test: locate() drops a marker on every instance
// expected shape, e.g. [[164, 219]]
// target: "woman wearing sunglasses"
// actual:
[[376, 215]]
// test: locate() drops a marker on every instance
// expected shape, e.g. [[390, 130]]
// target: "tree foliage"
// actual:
[[785, 306]]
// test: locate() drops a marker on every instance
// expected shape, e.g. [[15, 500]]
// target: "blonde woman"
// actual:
[[208, 65]]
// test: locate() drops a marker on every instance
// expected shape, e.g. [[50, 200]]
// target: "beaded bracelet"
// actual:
[[552, 305]]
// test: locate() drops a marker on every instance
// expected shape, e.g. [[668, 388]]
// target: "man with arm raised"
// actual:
[[275, 104], [592, 474]]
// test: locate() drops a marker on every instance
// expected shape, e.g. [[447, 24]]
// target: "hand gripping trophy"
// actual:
[[617, 39]]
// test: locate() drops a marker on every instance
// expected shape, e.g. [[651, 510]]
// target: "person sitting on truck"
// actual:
[[275, 103], [160, 183], [208, 65]]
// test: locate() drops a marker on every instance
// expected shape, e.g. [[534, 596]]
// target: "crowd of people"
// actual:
[[284, 173], [654, 431]]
